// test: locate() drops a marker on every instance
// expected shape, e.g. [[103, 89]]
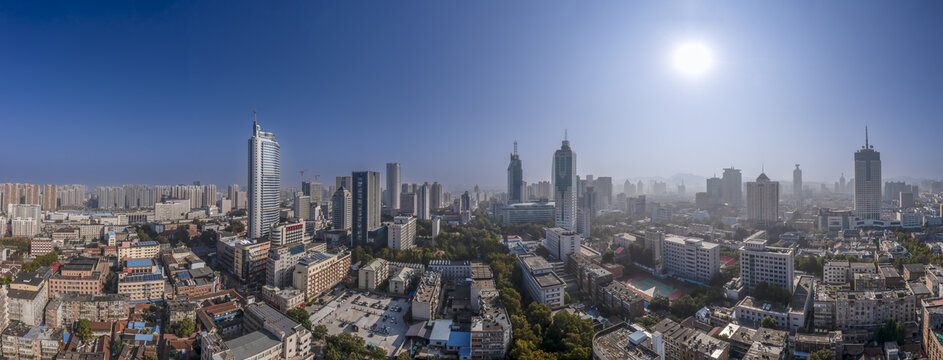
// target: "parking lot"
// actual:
[[380, 318]]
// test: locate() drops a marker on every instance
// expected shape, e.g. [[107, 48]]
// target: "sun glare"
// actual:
[[693, 59]]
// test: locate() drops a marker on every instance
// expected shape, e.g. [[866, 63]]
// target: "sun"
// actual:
[[693, 59]]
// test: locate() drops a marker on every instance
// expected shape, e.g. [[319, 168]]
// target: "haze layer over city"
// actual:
[[471, 180]]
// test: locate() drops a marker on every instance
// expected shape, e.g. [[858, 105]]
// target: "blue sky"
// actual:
[[138, 92]]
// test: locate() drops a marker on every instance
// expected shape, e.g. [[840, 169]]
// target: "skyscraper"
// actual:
[[423, 202], [763, 201], [733, 187], [715, 189], [603, 186], [435, 196], [797, 182], [515, 179], [341, 205], [365, 210], [264, 181], [49, 197], [233, 195], [867, 181], [564, 186], [393, 173]]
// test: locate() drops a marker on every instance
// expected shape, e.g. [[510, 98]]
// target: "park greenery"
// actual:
[[824, 354], [346, 345], [301, 316], [183, 328]]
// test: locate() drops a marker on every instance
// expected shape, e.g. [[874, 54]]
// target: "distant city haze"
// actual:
[[122, 92]]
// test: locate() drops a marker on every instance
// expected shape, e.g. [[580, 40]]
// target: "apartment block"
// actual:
[[543, 285], [79, 276], [67, 309], [772, 265], [425, 303], [138, 250], [372, 275], [318, 272], [402, 233]]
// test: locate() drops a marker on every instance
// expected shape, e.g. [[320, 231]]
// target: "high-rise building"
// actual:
[[435, 196], [628, 188], [393, 179], [341, 206], [564, 186], [366, 206], [867, 181], [515, 178], [49, 197], [423, 208], [691, 258], [797, 183], [344, 181], [640, 188], [603, 185], [19, 194], [264, 181], [772, 265], [402, 233], [907, 200], [763, 201], [302, 206], [561, 242], [733, 187], [233, 195], [544, 190]]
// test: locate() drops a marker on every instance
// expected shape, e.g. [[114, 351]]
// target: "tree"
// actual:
[[301, 316], [658, 303], [183, 328], [539, 314], [685, 306], [608, 256], [319, 332], [768, 322], [84, 330], [647, 321], [376, 353], [404, 355], [161, 240], [824, 354]]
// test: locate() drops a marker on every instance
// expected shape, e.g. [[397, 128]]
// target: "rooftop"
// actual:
[[139, 263], [273, 318], [251, 344]]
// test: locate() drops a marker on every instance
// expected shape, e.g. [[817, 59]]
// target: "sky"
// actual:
[[162, 93]]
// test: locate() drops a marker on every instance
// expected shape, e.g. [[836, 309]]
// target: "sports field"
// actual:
[[648, 287]]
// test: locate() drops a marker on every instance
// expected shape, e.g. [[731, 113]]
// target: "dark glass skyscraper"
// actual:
[[867, 181], [365, 209], [564, 186], [515, 178]]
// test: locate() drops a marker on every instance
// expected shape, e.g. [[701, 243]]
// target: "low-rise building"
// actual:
[[283, 299], [543, 285], [138, 250], [40, 246], [402, 280], [691, 258], [838, 308], [294, 339], [67, 309], [287, 233], [372, 275], [425, 303], [318, 272], [28, 295], [686, 343], [490, 328], [145, 287], [25, 342], [79, 276], [402, 233]]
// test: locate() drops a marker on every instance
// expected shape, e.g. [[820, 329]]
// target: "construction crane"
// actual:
[[303, 175]]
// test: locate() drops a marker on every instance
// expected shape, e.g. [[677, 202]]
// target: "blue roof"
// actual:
[[139, 262], [144, 243], [138, 325], [145, 277], [464, 352], [143, 337], [184, 275], [459, 339]]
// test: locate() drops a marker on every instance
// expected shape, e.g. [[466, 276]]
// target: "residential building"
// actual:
[[280, 264], [732, 187], [401, 233], [932, 331], [425, 303], [79, 276], [372, 275], [249, 260], [171, 210], [490, 327], [264, 182], [302, 207], [843, 272], [295, 340], [393, 180], [67, 309], [40, 246], [402, 280], [690, 258], [144, 287], [543, 285], [318, 272], [681, 342], [138, 250], [772, 265], [28, 295], [283, 299], [30, 342], [838, 308], [341, 207]]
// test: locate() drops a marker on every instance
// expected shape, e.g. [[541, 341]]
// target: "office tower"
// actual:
[[733, 187], [763, 201], [465, 204], [49, 197], [341, 207], [435, 196], [302, 206], [264, 182], [603, 185], [312, 190], [842, 184], [640, 188], [867, 182], [423, 208], [402, 233], [393, 180], [515, 178], [628, 188], [690, 258], [797, 182], [564, 185], [366, 206], [344, 181]]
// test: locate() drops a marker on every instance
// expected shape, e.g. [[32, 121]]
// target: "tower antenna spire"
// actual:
[[515, 147], [866, 145], [565, 135]]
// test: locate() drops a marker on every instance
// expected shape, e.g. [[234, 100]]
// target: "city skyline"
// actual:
[[184, 98]]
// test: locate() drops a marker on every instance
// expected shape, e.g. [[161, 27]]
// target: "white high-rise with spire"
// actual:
[[264, 181]]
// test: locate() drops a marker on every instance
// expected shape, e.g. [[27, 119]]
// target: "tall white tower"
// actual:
[[264, 181]]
